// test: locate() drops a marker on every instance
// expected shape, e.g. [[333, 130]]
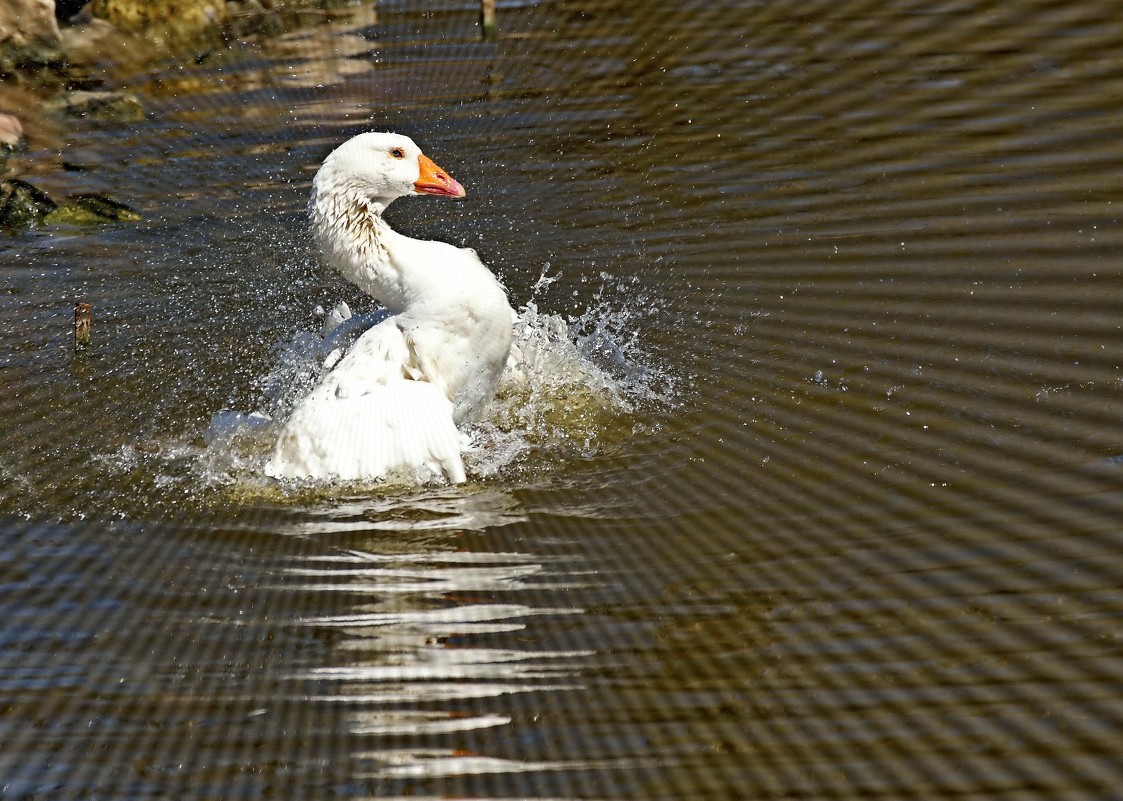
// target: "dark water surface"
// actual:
[[863, 538]]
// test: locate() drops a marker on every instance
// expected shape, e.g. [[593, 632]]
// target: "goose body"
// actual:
[[392, 404]]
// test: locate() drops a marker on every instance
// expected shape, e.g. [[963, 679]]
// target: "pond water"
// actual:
[[824, 501]]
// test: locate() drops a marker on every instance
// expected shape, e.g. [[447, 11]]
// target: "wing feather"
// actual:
[[371, 418]]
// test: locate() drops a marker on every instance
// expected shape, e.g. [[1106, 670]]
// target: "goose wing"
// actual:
[[373, 416]]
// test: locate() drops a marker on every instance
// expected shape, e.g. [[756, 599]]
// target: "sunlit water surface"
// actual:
[[813, 491]]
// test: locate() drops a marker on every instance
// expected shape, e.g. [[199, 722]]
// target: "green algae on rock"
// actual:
[[29, 35], [22, 204], [91, 208], [107, 107], [172, 22]]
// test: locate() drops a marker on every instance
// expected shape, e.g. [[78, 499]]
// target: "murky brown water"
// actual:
[[858, 536]]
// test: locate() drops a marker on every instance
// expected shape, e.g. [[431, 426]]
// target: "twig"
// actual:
[[487, 19], [83, 325]]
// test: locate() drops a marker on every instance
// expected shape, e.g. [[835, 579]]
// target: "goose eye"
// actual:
[[398, 153]]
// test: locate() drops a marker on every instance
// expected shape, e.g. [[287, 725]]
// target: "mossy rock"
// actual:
[[176, 24], [22, 204], [29, 36], [141, 15], [31, 57], [92, 208], [106, 107]]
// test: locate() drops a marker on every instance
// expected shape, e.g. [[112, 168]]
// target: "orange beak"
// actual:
[[435, 181]]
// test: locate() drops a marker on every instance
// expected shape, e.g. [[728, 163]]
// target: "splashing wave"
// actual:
[[571, 388]]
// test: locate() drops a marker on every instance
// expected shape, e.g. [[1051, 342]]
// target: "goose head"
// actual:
[[381, 167]]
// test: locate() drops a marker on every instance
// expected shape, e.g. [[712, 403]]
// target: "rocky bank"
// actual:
[[54, 53]]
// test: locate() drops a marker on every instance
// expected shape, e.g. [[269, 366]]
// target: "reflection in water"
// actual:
[[413, 510], [436, 764], [414, 654], [322, 55]]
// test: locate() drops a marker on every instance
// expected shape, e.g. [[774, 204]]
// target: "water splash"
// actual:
[[572, 387]]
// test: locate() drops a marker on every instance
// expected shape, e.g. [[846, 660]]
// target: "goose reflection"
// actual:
[[440, 633]]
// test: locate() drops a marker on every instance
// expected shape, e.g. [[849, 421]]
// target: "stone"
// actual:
[[171, 20], [22, 204], [106, 107], [250, 18], [29, 35], [11, 132], [89, 41], [244, 7], [90, 208]]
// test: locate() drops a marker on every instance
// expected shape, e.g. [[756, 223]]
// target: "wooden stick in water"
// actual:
[[487, 19], [83, 325]]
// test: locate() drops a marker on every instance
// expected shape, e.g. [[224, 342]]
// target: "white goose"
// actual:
[[392, 403]]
